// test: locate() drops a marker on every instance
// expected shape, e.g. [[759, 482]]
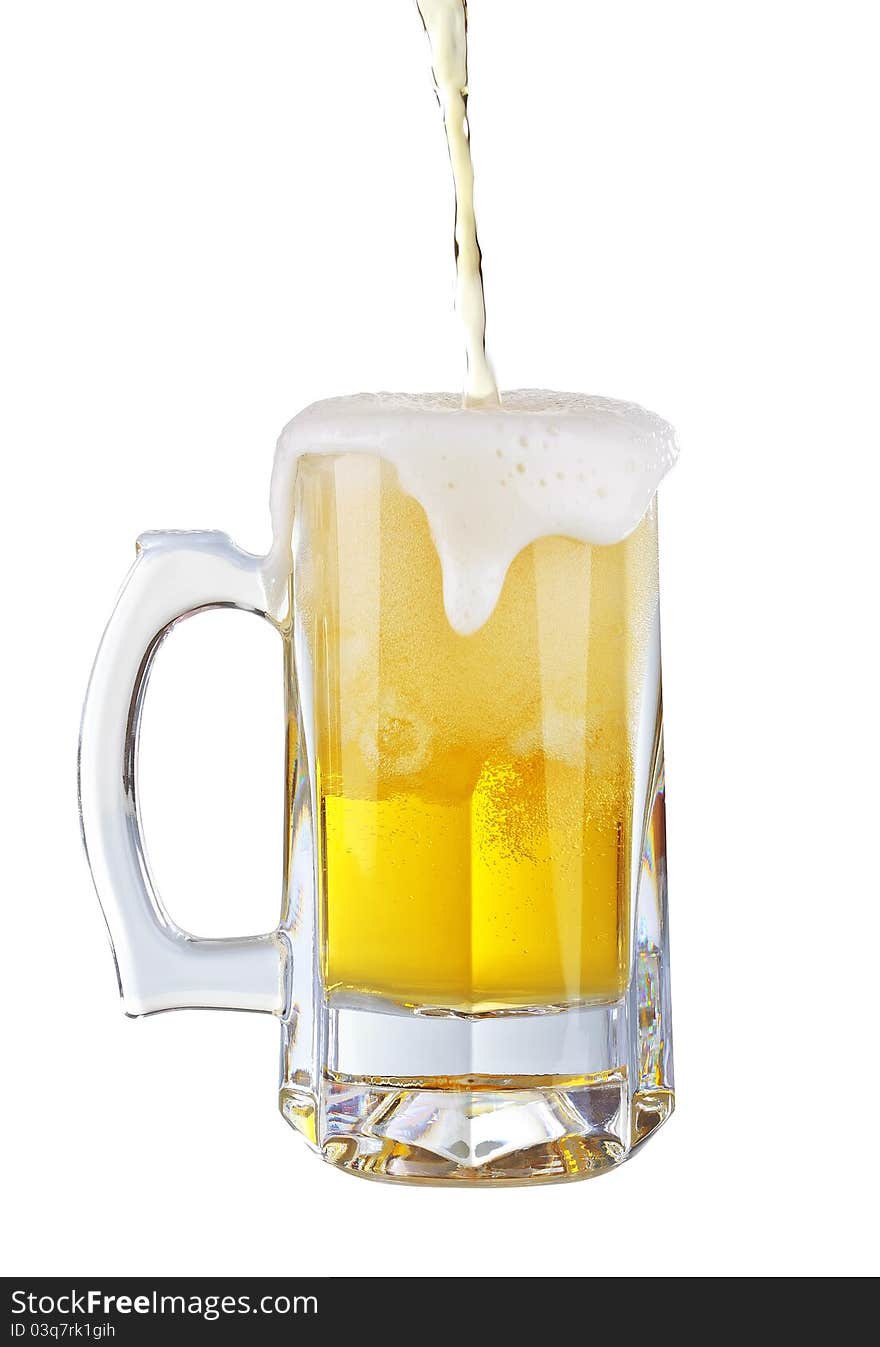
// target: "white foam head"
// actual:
[[490, 480]]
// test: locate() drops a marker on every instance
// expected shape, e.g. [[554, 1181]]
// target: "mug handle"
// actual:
[[160, 966]]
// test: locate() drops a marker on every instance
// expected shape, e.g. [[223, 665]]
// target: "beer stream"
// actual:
[[445, 23]]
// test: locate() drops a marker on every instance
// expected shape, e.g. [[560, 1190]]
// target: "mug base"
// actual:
[[472, 1130]]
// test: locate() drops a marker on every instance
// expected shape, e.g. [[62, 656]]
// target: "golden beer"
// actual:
[[475, 793]]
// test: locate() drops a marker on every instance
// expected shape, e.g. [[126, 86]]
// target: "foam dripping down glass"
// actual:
[[471, 966]]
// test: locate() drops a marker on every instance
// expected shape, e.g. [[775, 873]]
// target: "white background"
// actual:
[[216, 213]]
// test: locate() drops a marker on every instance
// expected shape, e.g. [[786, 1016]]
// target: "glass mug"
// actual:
[[471, 965]]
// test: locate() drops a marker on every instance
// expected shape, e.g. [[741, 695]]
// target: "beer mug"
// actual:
[[470, 969]]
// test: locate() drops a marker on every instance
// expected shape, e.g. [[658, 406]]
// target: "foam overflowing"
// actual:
[[490, 480]]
